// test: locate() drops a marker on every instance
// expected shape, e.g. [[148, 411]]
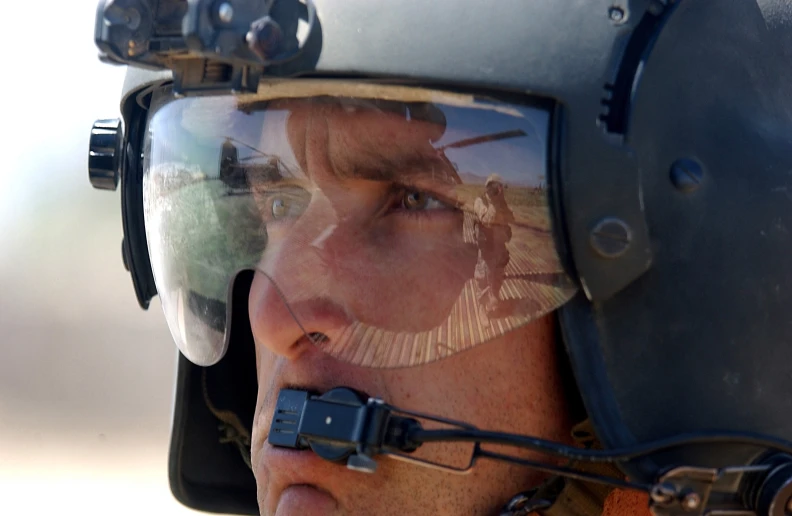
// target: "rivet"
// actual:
[[617, 14], [686, 175], [691, 501], [225, 12], [611, 237], [328, 420]]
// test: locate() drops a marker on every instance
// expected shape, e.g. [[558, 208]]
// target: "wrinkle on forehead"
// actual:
[[357, 141]]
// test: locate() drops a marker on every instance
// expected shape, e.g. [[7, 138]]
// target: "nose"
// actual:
[[291, 296]]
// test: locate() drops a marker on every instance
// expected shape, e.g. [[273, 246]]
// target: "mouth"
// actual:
[[264, 417], [305, 500], [304, 474], [292, 481], [296, 482]]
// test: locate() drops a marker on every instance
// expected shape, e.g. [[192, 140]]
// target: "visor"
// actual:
[[393, 226]]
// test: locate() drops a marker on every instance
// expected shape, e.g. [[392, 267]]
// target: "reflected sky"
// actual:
[[86, 377]]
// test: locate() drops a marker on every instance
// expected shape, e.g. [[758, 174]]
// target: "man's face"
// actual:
[[365, 240], [494, 189]]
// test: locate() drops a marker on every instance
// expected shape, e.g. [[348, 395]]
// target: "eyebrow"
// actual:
[[378, 167], [271, 171], [372, 167]]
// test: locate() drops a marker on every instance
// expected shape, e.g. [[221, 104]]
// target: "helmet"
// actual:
[[662, 128], [493, 178]]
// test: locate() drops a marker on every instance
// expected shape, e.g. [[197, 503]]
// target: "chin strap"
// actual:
[[559, 496]]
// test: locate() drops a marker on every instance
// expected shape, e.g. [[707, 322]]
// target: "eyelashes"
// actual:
[[284, 199], [416, 201]]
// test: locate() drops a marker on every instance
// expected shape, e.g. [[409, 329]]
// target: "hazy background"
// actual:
[[86, 377]]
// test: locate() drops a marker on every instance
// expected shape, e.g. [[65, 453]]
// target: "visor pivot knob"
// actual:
[[104, 154]]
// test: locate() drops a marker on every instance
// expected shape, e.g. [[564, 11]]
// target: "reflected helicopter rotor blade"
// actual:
[[467, 142], [230, 139]]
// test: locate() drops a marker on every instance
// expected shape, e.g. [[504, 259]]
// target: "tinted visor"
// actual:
[[392, 226]]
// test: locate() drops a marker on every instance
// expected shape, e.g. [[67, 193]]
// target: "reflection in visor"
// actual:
[[393, 232]]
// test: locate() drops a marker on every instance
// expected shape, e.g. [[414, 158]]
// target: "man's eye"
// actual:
[[415, 200], [283, 203], [280, 208]]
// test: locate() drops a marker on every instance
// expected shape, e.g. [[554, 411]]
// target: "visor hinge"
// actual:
[[210, 46], [682, 491], [764, 488]]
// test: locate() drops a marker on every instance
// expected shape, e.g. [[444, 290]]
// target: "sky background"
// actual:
[[86, 377]]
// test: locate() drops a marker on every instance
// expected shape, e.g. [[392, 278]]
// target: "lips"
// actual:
[[298, 482], [305, 500], [279, 470], [290, 481]]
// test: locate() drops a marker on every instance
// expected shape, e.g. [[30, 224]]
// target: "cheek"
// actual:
[[405, 279], [265, 371], [258, 364], [510, 384]]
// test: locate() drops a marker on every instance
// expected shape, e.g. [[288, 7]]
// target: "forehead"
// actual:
[[475, 136], [352, 115], [356, 136]]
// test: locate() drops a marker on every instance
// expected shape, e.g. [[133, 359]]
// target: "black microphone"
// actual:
[[341, 425], [346, 425]]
